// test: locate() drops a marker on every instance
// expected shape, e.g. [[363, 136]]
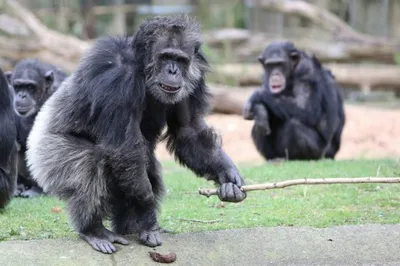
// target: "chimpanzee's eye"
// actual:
[[31, 88], [196, 49], [182, 60]]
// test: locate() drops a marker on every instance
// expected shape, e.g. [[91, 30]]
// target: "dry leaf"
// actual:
[[56, 209]]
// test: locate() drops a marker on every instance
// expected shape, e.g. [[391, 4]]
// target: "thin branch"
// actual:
[[200, 221], [308, 181]]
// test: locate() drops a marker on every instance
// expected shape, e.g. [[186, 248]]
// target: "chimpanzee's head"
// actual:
[[279, 60], [31, 84], [174, 63]]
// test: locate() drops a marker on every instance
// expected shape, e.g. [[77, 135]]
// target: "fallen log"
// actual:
[[326, 51], [223, 102], [347, 75], [25, 36], [307, 181], [234, 36], [41, 42]]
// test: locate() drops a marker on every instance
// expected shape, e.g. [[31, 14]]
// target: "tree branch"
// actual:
[[307, 181], [322, 17], [200, 221]]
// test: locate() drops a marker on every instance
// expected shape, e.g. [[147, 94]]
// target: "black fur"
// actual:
[[102, 127], [8, 144], [289, 129], [27, 71]]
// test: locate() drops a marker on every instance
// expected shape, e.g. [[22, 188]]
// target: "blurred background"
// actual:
[[357, 39]]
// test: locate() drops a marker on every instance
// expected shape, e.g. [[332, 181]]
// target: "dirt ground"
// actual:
[[369, 132]]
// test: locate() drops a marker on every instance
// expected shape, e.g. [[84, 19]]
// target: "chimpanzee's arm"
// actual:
[[248, 109], [286, 108], [196, 146], [274, 106], [304, 115], [261, 118]]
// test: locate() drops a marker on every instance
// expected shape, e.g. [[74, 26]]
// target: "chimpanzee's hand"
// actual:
[[262, 127], [231, 181], [247, 111]]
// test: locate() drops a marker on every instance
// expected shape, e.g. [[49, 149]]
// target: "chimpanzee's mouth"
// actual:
[[23, 111], [169, 89], [276, 88]]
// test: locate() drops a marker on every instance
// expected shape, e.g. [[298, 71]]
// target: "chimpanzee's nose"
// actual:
[[173, 69], [22, 95]]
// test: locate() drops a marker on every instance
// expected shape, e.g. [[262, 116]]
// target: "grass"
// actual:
[[185, 211]]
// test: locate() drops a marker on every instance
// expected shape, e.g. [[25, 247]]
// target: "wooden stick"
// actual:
[[308, 181], [200, 221]]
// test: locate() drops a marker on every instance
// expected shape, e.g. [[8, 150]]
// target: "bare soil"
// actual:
[[369, 132]]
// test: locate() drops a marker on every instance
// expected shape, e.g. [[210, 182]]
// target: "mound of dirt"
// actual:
[[368, 133]]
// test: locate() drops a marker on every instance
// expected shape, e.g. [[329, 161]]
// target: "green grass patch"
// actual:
[[185, 211], [397, 58]]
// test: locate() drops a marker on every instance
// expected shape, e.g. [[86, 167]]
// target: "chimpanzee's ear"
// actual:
[[49, 77], [261, 59], [8, 75], [295, 57]]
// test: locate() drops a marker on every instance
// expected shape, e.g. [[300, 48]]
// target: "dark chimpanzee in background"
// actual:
[[33, 82], [8, 143], [298, 111], [93, 141]]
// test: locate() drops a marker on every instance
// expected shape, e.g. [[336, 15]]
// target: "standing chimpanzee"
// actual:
[[298, 111], [93, 142], [33, 82], [8, 143]]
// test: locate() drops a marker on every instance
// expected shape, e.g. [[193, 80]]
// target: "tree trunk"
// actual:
[[89, 18]]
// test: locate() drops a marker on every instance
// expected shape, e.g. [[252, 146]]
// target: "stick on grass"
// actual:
[[307, 181]]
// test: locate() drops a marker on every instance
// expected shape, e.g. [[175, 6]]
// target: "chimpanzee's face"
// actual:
[[29, 87], [279, 60]]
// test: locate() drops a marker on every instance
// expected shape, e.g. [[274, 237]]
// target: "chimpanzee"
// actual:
[[298, 111], [93, 141], [34, 82], [8, 143]]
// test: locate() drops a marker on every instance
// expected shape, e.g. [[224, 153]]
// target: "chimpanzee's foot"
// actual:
[[34, 191], [151, 237], [19, 190], [102, 239]]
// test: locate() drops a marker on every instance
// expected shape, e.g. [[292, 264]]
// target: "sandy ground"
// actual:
[[369, 133]]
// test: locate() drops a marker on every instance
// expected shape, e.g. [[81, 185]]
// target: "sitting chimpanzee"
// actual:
[[8, 143], [33, 82], [298, 111]]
